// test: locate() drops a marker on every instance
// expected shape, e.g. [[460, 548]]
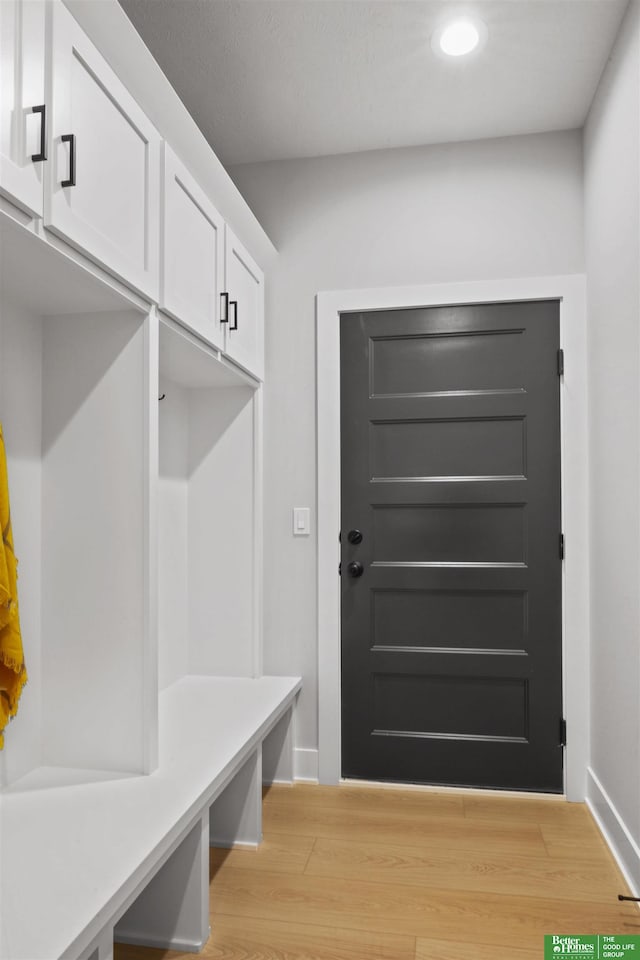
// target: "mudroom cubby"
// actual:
[[132, 420], [209, 513], [74, 403], [134, 456]]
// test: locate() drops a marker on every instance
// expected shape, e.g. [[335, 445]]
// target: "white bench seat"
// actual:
[[77, 849]]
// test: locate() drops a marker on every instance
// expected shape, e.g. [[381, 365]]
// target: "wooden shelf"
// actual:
[[75, 855]]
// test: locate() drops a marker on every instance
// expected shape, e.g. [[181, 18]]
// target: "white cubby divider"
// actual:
[[181, 885], [235, 817]]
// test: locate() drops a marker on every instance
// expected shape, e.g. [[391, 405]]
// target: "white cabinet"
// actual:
[[192, 253], [22, 102], [244, 281], [209, 282], [103, 176], [74, 145]]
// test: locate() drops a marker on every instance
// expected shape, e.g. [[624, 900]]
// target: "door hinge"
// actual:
[[340, 569], [563, 732], [561, 546], [560, 363]]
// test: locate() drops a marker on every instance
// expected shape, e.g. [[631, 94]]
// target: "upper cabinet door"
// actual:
[[22, 103], [192, 253], [103, 179], [245, 329]]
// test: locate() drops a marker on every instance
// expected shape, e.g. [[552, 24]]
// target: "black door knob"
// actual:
[[354, 536], [355, 568]]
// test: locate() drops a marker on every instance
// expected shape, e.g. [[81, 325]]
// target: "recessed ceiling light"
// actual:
[[459, 37]]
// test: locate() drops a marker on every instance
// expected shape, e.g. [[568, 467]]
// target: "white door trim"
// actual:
[[570, 290]]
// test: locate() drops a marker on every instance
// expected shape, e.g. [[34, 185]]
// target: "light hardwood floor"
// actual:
[[365, 873]]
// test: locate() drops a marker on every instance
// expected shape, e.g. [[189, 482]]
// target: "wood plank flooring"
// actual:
[[366, 873]]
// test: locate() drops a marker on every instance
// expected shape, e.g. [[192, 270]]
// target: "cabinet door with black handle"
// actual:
[[102, 184], [245, 328], [192, 274], [23, 112]]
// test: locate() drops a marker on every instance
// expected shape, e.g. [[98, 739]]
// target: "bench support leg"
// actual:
[[172, 912], [277, 752], [101, 948], [236, 815]]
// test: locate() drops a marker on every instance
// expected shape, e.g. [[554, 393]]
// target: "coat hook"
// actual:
[[162, 397]]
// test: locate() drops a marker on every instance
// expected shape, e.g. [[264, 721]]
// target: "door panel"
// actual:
[[414, 365], [444, 619], [451, 637], [448, 533], [413, 704], [432, 449]]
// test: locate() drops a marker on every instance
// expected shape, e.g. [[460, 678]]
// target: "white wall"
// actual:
[[612, 241], [478, 210]]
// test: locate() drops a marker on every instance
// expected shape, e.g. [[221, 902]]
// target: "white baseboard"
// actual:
[[616, 834], [305, 764], [182, 946]]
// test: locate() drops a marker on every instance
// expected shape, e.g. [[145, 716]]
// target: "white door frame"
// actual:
[[570, 291]]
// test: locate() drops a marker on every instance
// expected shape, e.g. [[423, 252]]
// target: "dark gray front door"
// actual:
[[451, 634]]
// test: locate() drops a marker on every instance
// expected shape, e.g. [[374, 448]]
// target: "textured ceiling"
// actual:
[[273, 79]]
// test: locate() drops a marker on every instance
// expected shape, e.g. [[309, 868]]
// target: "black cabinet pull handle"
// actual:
[[42, 155], [70, 138], [234, 304], [224, 297]]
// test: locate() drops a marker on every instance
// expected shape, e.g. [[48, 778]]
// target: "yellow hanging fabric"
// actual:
[[13, 674]]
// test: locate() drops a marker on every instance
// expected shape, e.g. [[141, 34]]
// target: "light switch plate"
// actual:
[[301, 521]]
